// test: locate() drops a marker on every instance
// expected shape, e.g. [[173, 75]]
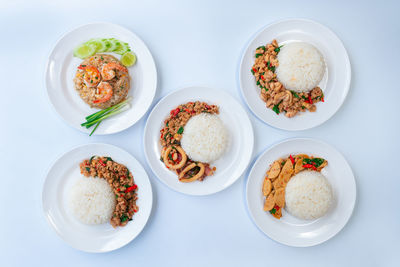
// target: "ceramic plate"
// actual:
[[292, 231], [65, 173], [335, 83], [233, 162], [62, 66]]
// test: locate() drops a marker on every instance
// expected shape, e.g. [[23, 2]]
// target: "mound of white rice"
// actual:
[[204, 138], [301, 66], [308, 195], [92, 200]]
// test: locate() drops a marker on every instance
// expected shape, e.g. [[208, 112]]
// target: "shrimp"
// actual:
[[91, 76], [108, 70], [104, 92]]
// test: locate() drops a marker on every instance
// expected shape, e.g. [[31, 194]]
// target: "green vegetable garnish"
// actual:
[[315, 161], [124, 217], [266, 89], [108, 159], [278, 49], [303, 97], [272, 211], [261, 47], [276, 108], [87, 169], [295, 94], [180, 131], [90, 160], [252, 71], [101, 115], [257, 55], [165, 136]]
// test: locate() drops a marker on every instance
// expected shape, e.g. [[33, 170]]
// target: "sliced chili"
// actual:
[[309, 166], [291, 159], [129, 189]]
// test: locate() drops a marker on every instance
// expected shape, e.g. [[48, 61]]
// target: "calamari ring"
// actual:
[[188, 168], [176, 166]]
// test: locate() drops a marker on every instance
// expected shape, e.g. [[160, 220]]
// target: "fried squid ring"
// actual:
[[187, 169], [178, 165]]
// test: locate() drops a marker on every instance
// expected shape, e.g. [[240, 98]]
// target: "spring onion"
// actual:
[[98, 117]]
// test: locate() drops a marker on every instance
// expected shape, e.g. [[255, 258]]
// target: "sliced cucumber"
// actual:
[[84, 50], [122, 49], [107, 43], [128, 59], [99, 44], [115, 44]]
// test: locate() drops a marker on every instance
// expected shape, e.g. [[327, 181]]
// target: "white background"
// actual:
[[200, 43]]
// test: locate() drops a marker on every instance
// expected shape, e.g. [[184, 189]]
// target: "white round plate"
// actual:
[[335, 83], [233, 162], [65, 173], [290, 230], [62, 66]]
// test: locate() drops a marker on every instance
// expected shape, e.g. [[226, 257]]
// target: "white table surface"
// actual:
[[200, 43]]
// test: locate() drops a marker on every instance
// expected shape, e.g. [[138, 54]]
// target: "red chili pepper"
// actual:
[[102, 163], [118, 189], [123, 176], [175, 112], [254, 69], [187, 110], [135, 210], [309, 166], [262, 78], [291, 159], [81, 67], [322, 99], [309, 99], [276, 207], [207, 106], [129, 189]]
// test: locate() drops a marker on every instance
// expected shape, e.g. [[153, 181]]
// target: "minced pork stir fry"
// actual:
[[121, 181], [273, 93]]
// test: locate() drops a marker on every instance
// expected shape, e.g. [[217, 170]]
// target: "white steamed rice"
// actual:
[[92, 200], [308, 195], [204, 138], [301, 66]]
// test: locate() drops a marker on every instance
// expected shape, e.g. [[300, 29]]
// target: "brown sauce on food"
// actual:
[[172, 154], [273, 93], [121, 181], [279, 174]]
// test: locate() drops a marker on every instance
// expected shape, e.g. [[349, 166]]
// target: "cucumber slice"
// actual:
[[84, 50], [122, 49], [99, 44], [128, 59], [115, 44], [107, 44]]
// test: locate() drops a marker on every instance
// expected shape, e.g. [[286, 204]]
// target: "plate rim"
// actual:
[[274, 145], [47, 66], [246, 47], [57, 159], [210, 88]]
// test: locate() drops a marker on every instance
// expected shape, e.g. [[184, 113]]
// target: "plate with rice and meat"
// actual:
[[301, 192], [102, 73], [97, 197], [295, 74], [196, 142]]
